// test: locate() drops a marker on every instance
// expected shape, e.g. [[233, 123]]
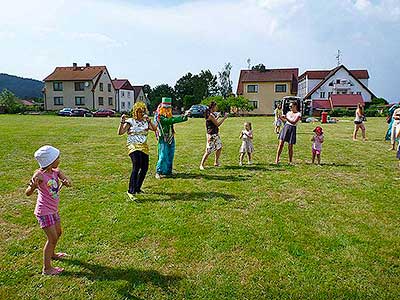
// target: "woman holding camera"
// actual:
[[359, 122]]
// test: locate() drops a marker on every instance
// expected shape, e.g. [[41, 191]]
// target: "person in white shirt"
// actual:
[[288, 133]]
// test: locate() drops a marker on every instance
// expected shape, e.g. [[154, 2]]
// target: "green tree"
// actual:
[[259, 67], [10, 102], [222, 103], [239, 104], [225, 82], [192, 89], [156, 94]]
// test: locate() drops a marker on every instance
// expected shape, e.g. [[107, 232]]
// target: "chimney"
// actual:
[[87, 65], [75, 65]]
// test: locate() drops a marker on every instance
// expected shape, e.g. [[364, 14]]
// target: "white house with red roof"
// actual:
[[336, 88], [124, 95]]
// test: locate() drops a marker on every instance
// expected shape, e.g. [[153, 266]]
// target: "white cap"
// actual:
[[46, 155]]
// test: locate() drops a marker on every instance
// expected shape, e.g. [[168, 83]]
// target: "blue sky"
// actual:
[[159, 41]]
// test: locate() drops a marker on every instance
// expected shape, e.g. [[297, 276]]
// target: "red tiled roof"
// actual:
[[330, 74], [75, 73], [271, 75], [26, 102], [346, 100], [321, 74], [321, 104], [122, 84]]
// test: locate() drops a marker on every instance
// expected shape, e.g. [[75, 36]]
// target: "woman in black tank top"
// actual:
[[213, 140]]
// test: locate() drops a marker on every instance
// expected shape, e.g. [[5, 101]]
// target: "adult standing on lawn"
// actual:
[[137, 129], [166, 137], [288, 133], [213, 140], [359, 122]]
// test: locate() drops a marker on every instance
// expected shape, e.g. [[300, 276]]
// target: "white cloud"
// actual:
[[385, 10]]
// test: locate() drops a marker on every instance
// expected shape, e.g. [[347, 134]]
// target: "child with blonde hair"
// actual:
[[247, 143], [48, 180]]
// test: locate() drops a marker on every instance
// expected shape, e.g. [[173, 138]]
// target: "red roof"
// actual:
[[75, 73], [270, 75], [321, 74], [346, 100], [321, 104], [122, 84], [330, 74]]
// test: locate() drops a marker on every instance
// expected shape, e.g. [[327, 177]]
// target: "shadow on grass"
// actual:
[[257, 167], [185, 196], [132, 277], [210, 176]]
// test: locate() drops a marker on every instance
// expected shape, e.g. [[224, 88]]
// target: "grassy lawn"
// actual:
[[251, 232]]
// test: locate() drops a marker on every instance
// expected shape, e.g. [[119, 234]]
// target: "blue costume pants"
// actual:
[[166, 154]]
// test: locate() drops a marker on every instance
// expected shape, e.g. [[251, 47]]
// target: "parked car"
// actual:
[[81, 112], [197, 110], [104, 113], [65, 111]]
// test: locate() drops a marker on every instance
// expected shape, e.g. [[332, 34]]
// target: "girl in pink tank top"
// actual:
[[48, 181]]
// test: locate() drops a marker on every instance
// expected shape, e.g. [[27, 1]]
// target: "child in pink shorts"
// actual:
[[48, 180], [317, 140]]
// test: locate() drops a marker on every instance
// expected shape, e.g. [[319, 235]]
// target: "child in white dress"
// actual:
[[247, 143]]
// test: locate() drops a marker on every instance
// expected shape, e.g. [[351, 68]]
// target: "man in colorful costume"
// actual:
[[165, 135]]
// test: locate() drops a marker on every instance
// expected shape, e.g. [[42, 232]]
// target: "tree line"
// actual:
[[203, 88]]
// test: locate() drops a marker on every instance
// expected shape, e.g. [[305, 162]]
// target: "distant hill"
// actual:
[[23, 88]]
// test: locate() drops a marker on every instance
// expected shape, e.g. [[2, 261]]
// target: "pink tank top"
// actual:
[[48, 194]]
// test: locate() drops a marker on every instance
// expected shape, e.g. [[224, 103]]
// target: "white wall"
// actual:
[[126, 98]]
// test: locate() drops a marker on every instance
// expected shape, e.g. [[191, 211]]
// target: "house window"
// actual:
[[129, 94], [338, 81], [79, 86], [280, 88], [123, 94], [101, 101], [58, 101], [79, 100], [129, 104], [329, 94], [322, 95], [109, 87], [57, 86], [101, 86], [123, 104], [141, 98], [110, 101], [254, 103], [252, 88], [358, 93]]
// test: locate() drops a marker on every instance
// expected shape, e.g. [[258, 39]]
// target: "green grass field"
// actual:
[[251, 232]]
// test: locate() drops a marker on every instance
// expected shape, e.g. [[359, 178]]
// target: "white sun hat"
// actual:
[[46, 155]]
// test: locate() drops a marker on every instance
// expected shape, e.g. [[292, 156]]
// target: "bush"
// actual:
[[342, 113]]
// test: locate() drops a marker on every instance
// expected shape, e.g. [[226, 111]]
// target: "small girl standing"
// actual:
[[278, 115], [247, 143], [48, 180], [317, 140]]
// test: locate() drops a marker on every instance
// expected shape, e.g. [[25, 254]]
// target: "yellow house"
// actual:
[[265, 88]]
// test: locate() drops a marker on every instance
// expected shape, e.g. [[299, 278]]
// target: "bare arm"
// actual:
[[152, 126], [64, 179], [33, 183], [217, 122], [123, 126]]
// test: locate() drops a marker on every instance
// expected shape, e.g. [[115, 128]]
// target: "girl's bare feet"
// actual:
[[53, 271]]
